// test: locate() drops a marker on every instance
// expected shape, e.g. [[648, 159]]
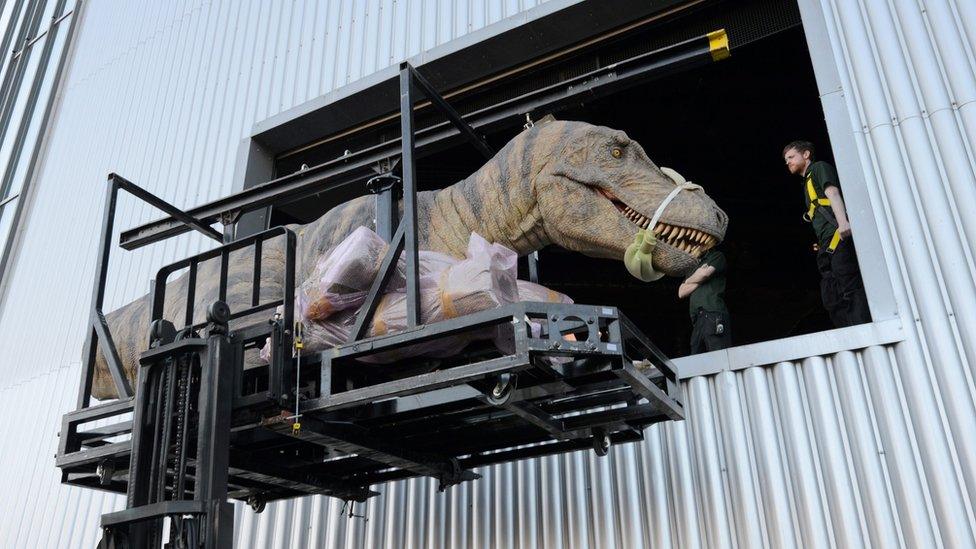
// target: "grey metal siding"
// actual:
[[867, 448]]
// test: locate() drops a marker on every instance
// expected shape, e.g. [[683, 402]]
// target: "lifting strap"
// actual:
[[817, 202]]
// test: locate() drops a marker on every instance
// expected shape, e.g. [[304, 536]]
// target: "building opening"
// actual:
[[722, 126]]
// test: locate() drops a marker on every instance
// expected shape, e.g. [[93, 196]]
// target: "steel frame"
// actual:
[[352, 169], [561, 377]]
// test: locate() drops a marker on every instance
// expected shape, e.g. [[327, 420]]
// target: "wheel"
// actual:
[[162, 332], [105, 470], [218, 312], [502, 391], [601, 442], [256, 503]]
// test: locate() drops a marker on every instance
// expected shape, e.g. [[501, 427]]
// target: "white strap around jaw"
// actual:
[[682, 184], [650, 241]]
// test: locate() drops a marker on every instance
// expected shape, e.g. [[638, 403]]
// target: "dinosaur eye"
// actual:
[[616, 152]]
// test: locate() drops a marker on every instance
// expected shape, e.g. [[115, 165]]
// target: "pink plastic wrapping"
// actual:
[[485, 279], [341, 279], [530, 291]]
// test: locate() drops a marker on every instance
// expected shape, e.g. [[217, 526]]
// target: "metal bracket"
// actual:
[[230, 217]]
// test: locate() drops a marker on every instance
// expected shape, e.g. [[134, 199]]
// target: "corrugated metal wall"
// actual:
[[873, 448], [813, 454], [906, 75]]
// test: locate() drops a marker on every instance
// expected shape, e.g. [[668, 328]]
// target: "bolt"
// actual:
[[589, 320]]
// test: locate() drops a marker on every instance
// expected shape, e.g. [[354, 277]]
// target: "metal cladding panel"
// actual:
[[904, 74], [816, 453], [819, 453], [162, 93], [868, 448]]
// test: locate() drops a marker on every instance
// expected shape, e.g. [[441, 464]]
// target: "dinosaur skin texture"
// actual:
[[582, 187]]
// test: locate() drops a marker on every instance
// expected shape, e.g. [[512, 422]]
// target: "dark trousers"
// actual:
[[710, 331], [841, 286]]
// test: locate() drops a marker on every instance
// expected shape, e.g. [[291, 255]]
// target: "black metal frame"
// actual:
[[558, 378], [354, 168], [99, 331]]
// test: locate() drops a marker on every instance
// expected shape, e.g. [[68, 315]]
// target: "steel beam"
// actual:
[[358, 166], [477, 140], [345, 439]]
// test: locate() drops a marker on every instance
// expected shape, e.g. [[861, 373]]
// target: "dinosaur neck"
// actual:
[[498, 202]]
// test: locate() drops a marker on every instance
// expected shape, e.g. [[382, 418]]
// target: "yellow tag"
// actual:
[[299, 345], [295, 427]]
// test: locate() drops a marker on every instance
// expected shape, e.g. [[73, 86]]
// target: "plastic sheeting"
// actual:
[[484, 279]]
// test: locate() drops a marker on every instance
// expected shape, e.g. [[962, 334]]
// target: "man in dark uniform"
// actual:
[[709, 315], [840, 278]]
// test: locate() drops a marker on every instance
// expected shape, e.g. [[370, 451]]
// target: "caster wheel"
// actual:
[[601, 442], [256, 503], [503, 389], [105, 470]]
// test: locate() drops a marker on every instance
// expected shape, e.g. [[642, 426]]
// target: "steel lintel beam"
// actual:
[[357, 167]]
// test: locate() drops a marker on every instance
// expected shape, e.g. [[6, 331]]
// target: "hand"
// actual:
[[845, 230]]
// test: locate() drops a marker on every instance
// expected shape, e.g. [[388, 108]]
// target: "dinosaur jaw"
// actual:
[[686, 240]]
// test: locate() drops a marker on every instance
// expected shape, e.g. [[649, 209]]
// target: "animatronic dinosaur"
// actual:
[[586, 188]]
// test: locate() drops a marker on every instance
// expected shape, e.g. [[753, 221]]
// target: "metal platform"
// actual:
[[199, 428], [439, 418]]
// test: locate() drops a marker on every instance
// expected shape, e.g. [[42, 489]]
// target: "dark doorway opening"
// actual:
[[724, 127]]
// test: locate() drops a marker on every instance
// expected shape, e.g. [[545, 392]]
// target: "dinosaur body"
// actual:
[[582, 187]]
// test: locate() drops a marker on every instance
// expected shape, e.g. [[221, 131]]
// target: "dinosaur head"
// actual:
[[599, 189]]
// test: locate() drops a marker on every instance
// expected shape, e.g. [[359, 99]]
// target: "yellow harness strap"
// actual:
[[816, 202], [834, 241]]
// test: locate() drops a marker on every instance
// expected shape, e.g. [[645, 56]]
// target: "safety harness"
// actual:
[[818, 202]]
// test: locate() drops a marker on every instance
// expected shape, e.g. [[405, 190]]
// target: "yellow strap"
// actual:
[[447, 300], [815, 201], [834, 241]]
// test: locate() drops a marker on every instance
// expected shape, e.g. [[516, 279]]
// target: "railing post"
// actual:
[[98, 294], [409, 220]]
